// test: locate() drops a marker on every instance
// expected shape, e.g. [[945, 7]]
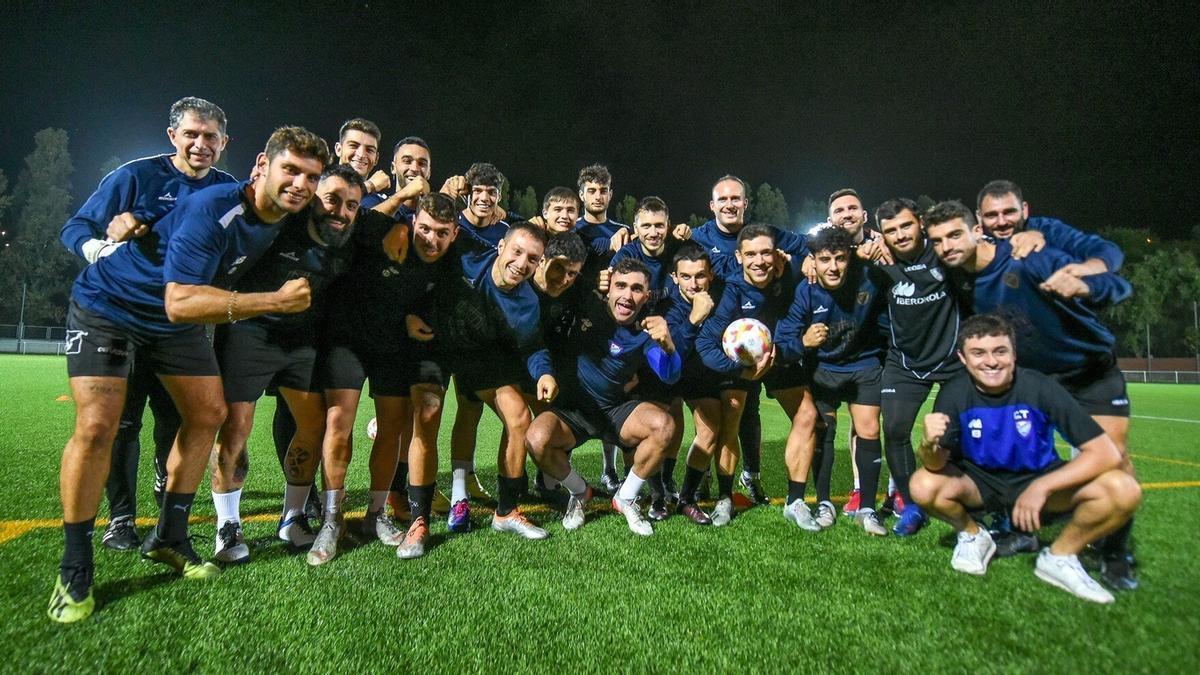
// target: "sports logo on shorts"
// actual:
[[75, 341]]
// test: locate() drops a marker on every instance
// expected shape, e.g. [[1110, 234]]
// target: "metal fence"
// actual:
[[17, 339], [1163, 376]]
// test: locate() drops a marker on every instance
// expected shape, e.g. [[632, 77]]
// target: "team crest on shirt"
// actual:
[[1011, 280], [976, 427], [936, 273], [613, 348], [904, 289], [863, 297], [1024, 425]]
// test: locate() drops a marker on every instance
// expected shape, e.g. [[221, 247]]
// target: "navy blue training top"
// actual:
[[855, 313]]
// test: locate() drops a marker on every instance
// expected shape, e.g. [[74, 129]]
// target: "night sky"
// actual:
[[1092, 110]]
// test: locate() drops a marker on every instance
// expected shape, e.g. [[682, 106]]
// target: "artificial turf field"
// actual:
[[759, 595]]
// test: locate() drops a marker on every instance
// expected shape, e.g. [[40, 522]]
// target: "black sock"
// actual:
[[77, 553], [868, 457], [1117, 543], [400, 478], [691, 482], [823, 461], [796, 490], [420, 500], [750, 434], [173, 521], [655, 483], [724, 486], [509, 490], [668, 470]]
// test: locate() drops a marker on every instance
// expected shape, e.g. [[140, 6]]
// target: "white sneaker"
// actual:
[[722, 513], [1065, 572], [869, 522], [517, 523], [379, 525], [972, 552], [296, 531], [826, 514], [573, 518], [633, 516], [798, 513], [231, 544], [325, 547]]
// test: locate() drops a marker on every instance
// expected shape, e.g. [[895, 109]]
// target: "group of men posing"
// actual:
[[322, 273]]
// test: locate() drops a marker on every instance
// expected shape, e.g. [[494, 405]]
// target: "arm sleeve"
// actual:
[[789, 332], [683, 332], [528, 334], [620, 255], [1077, 244], [194, 250], [114, 195], [668, 367], [791, 243], [1104, 289], [708, 341]]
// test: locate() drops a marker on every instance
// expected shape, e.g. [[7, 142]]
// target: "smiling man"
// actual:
[[989, 444], [129, 200], [150, 297]]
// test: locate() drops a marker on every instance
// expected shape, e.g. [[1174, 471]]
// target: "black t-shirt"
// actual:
[[1012, 431]]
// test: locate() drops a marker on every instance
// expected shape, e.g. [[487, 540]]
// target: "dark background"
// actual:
[[1090, 108]]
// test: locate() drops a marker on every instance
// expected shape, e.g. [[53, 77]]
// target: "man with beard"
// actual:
[[719, 236], [128, 201], [612, 344], [989, 444], [923, 317], [763, 293], [280, 350], [360, 343], [1058, 332], [149, 296], [487, 331], [834, 328]]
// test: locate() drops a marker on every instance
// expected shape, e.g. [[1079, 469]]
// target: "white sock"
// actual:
[[377, 499], [631, 487], [294, 499], [458, 483], [574, 483], [550, 482], [891, 485], [333, 501], [610, 458], [856, 485], [227, 506]]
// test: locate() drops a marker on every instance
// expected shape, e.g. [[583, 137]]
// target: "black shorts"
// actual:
[[253, 358], [787, 376], [588, 419], [98, 347], [475, 372], [898, 382], [1099, 388], [1000, 489], [831, 388], [697, 383], [348, 366]]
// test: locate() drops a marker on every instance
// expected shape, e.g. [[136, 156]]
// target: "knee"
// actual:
[[923, 486], [661, 428], [1122, 490], [518, 420], [95, 436], [207, 415]]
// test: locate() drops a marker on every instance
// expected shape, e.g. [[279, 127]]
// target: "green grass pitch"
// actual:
[[758, 595]]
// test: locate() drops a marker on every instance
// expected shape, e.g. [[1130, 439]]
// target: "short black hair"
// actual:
[[346, 173], [690, 252], [627, 265], [844, 192], [485, 174], [202, 109], [567, 245], [830, 239], [409, 140], [755, 231], [439, 207], [359, 124], [525, 226], [944, 212], [652, 204], [999, 188], [595, 173], [894, 207], [983, 325]]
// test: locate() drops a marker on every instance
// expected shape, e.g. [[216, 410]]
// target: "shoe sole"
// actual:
[[1046, 577]]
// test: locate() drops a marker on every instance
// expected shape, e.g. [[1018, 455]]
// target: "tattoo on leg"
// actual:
[[242, 467], [297, 458]]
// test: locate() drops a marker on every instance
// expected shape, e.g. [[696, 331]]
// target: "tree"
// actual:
[[35, 259], [1163, 284], [627, 209], [812, 212], [694, 221], [769, 206], [525, 202], [109, 166]]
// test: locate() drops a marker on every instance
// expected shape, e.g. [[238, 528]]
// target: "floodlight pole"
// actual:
[[21, 321], [1196, 329], [1149, 358]]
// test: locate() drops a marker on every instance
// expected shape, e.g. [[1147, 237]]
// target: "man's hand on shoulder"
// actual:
[[124, 227], [1024, 243]]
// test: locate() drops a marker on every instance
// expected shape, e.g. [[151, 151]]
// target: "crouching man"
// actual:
[[989, 445]]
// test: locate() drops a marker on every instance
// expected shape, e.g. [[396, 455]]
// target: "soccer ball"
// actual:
[[372, 428], [746, 340]]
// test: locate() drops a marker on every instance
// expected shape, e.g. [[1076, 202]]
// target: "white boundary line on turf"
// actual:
[[1165, 419]]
